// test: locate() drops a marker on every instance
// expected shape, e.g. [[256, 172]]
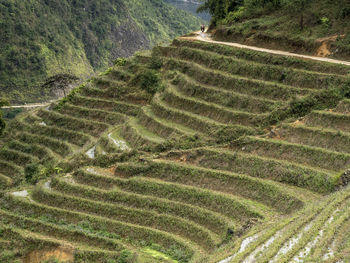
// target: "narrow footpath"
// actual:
[[27, 106]]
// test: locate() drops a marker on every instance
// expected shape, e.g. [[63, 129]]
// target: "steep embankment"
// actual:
[[194, 154], [40, 39]]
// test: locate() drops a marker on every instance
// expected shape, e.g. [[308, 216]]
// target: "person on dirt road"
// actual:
[[202, 28]]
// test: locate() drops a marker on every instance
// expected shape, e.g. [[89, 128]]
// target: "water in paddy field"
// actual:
[[190, 6]]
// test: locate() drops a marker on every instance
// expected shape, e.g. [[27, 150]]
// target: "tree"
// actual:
[[3, 102], [60, 84], [298, 7], [219, 8]]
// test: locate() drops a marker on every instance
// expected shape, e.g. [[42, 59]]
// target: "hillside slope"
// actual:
[[40, 38], [198, 152], [317, 27], [190, 6]]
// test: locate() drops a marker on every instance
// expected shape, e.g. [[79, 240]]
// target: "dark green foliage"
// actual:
[[2, 122], [190, 6], [40, 39], [150, 81], [298, 107], [126, 256], [300, 26], [120, 62], [9, 114], [32, 173], [35, 172], [219, 9], [156, 62]]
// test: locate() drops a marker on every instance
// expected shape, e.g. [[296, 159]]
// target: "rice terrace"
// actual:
[[197, 151]]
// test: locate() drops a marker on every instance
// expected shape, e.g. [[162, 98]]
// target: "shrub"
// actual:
[[36, 172], [126, 256], [120, 62], [32, 173], [150, 81], [235, 16], [156, 63]]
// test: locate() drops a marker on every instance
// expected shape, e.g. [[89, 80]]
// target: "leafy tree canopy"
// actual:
[[3, 102]]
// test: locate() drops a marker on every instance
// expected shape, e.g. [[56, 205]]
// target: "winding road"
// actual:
[[206, 38]]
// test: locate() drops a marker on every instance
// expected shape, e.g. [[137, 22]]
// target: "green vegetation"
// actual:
[[190, 6], [41, 40], [2, 122], [190, 153], [307, 26]]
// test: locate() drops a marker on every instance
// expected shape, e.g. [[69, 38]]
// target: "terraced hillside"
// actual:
[[194, 153]]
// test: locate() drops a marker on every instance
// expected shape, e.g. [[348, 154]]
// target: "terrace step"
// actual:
[[338, 240], [265, 58], [83, 251], [58, 232], [317, 137], [5, 181], [72, 137], [101, 116], [11, 170], [105, 82], [122, 93], [343, 107], [119, 74], [89, 91], [107, 105], [296, 153], [316, 180], [229, 206], [194, 121], [71, 123], [229, 99], [138, 135], [293, 246], [210, 220], [175, 99], [294, 77], [120, 232], [162, 127], [56, 146], [243, 186], [16, 157], [236, 83], [329, 120], [171, 224]]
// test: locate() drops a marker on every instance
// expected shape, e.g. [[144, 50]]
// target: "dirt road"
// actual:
[[27, 106], [206, 38]]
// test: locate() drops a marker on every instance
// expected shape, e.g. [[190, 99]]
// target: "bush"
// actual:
[[156, 63], [120, 62], [126, 256], [150, 81], [36, 172], [32, 173], [235, 16]]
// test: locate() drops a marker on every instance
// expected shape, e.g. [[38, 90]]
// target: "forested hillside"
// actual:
[[43, 38], [318, 27], [190, 6]]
